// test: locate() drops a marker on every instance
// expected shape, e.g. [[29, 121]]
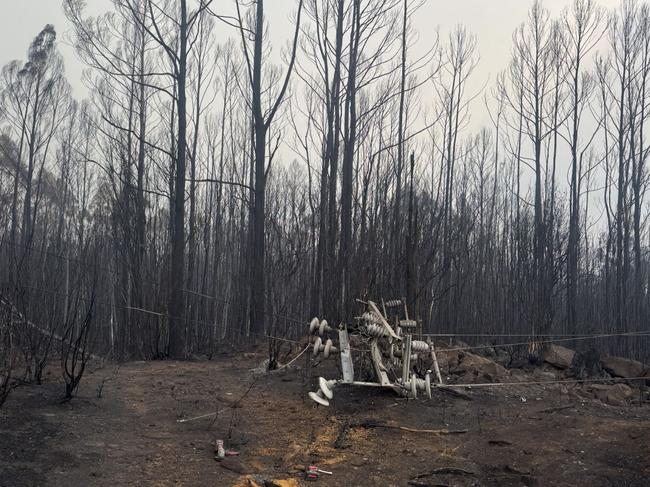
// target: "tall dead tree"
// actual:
[[175, 37], [34, 97], [532, 76], [624, 43], [261, 121], [583, 28], [639, 178], [458, 63]]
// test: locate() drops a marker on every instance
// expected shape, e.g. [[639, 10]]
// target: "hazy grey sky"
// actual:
[[492, 21]]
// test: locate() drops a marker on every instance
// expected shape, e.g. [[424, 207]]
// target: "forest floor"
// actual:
[[517, 435]]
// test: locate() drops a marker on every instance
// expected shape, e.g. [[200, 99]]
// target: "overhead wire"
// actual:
[[557, 340], [548, 338], [541, 382]]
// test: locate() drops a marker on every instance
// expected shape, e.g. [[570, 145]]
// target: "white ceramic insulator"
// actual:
[[323, 327], [327, 348], [419, 346], [313, 325], [318, 346], [393, 302], [372, 317], [398, 353], [415, 384], [421, 384], [319, 397], [376, 331], [326, 387]]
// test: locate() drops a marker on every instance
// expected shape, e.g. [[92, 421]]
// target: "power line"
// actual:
[[556, 337], [151, 312], [509, 335], [301, 322], [558, 340], [533, 382], [268, 313]]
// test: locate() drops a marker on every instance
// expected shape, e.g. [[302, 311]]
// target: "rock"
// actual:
[[469, 363], [616, 395], [587, 364], [560, 357], [447, 360], [622, 367], [489, 352]]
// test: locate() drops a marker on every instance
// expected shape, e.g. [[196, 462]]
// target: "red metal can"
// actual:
[[311, 473]]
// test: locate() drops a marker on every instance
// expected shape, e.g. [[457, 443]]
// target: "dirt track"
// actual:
[[130, 436]]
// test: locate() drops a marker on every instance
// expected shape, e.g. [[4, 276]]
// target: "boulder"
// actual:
[[472, 364], [622, 367], [489, 352], [447, 360], [587, 364], [616, 395], [560, 357]]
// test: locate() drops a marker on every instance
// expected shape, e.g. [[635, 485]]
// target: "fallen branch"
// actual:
[[443, 431], [282, 367], [500, 442], [375, 424], [445, 471]]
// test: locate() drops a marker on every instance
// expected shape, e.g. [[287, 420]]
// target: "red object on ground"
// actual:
[[311, 473]]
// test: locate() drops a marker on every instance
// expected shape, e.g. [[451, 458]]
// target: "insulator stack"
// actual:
[[319, 398], [325, 391], [420, 383], [411, 324], [326, 348], [376, 331], [319, 327], [398, 354], [415, 384], [388, 332], [372, 317], [313, 325], [326, 386], [323, 327], [419, 346]]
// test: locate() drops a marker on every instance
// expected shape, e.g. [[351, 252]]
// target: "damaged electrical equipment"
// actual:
[[388, 333]]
